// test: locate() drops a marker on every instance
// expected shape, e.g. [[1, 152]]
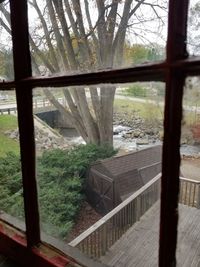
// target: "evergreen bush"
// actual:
[[60, 175]]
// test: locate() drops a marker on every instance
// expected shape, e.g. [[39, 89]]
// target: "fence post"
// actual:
[[198, 197], [138, 208]]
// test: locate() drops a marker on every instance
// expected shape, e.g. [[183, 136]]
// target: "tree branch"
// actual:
[[5, 26], [71, 19], [46, 32], [41, 56], [92, 29], [151, 4], [136, 7], [60, 46], [118, 42], [5, 13], [70, 51]]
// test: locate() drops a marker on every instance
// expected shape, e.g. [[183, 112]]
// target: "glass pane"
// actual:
[[193, 28], [11, 197], [189, 199], [6, 55], [77, 126], [84, 36]]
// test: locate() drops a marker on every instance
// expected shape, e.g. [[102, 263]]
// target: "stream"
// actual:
[[129, 144]]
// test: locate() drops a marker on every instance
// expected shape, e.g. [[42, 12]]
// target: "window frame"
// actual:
[[173, 71]]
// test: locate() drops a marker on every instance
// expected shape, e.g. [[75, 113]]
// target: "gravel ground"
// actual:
[[190, 168]]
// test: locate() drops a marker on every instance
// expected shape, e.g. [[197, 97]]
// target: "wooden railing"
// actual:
[[189, 192], [102, 235], [96, 240]]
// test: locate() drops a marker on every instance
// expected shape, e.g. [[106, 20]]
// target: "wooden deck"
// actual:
[[139, 246]]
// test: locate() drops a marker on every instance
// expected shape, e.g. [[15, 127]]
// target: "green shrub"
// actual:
[[11, 199], [136, 90], [75, 161], [60, 177]]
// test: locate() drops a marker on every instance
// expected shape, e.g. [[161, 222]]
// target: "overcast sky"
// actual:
[[133, 34], [146, 30]]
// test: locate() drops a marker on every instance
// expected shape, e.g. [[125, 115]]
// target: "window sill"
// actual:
[[51, 252]]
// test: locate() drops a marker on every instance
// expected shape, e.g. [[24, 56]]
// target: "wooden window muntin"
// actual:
[[173, 71]]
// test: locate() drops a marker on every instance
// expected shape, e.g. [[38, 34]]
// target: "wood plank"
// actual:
[[139, 245], [188, 241], [113, 212]]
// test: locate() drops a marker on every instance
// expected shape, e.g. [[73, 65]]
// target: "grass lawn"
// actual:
[[7, 122], [146, 110], [149, 111]]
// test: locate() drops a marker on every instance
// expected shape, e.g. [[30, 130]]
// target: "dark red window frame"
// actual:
[[172, 71]]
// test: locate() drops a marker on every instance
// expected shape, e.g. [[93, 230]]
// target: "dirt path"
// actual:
[[87, 217]]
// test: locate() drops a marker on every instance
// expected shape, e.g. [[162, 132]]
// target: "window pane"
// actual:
[[11, 197], [70, 38], [189, 200], [193, 28], [6, 55], [71, 196]]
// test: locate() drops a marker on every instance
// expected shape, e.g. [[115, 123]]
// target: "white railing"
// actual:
[[96, 240], [10, 108], [42, 103]]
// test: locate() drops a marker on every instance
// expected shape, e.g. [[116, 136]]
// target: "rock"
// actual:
[[119, 128], [14, 135], [161, 135], [43, 141], [39, 146], [136, 133], [183, 141], [150, 132], [129, 134], [141, 135], [55, 146], [142, 142], [8, 132]]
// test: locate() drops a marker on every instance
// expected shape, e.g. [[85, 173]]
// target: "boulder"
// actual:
[[142, 142]]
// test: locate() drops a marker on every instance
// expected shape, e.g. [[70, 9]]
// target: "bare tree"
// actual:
[[193, 40], [81, 36]]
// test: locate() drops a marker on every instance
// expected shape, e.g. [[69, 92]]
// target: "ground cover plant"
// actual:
[[60, 175]]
